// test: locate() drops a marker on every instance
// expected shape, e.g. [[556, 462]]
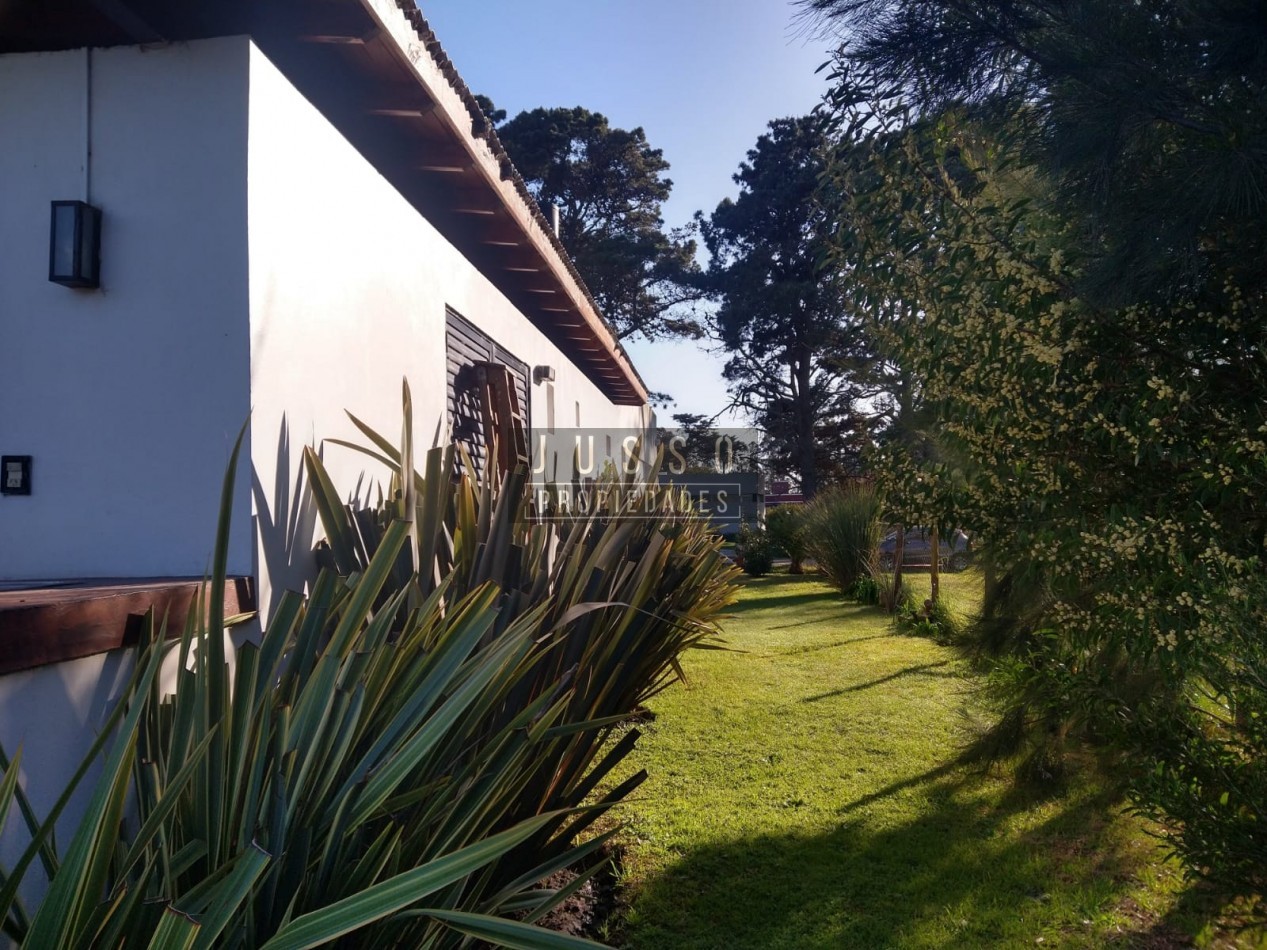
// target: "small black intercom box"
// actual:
[[15, 474]]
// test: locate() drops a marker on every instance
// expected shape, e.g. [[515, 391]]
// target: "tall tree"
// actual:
[[609, 185], [794, 353], [1092, 336], [1147, 117], [695, 444]]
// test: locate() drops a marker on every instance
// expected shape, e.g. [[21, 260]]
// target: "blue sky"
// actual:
[[703, 77]]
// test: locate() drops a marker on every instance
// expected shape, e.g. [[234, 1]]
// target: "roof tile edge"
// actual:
[[418, 44]]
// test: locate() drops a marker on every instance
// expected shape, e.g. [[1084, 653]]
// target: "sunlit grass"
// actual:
[[806, 793]]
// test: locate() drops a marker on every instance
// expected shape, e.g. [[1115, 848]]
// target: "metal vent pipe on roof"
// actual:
[[554, 219]]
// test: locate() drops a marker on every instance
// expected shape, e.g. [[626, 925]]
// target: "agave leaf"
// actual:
[[230, 894], [391, 773], [187, 856], [9, 784], [369, 586], [82, 875], [157, 814], [577, 611], [678, 671], [185, 704], [11, 915], [42, 833], [380, 900], [553, 898], [246, 670], [217, 698], [588, 725], [470, 624], [409, 488], [430, 523], [325, 597], [115, 923], [595, 811], [340, 532], [542, 871], [280, 633], [509, 933], [175, 931]]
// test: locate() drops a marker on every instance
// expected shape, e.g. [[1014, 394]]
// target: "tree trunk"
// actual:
[[806, 462], [899, 551], [934, 576], [990, 600]]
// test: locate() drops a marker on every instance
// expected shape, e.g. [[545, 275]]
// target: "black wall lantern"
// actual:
[[74, 254]]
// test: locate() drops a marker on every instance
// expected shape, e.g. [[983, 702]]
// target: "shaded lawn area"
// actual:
[[806, 793]]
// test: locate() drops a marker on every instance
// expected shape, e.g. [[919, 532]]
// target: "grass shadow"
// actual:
[[835, 644], [957, 875], [922, 669], [784, 600], [894, 788], [788, 822]]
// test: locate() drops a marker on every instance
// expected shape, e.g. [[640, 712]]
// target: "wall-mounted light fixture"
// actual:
[[74, 253], [543, 374]]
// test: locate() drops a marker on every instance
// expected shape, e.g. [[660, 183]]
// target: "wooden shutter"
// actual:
[[505, 427], [472, 404]]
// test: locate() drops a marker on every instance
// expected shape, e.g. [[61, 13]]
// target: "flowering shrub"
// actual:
[[1111, 460]]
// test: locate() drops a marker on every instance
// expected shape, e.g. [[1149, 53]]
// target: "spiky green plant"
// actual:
[[406, 753], [630, 582], [345, 777]]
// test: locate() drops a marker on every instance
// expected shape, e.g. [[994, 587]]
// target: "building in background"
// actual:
[[730, 500]]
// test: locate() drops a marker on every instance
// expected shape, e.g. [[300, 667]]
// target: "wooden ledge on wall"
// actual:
[[75, 619]]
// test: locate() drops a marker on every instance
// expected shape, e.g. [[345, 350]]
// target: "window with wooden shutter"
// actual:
[[487, 397]]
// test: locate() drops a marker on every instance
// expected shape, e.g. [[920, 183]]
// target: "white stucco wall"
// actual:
[[129, 397], [252, 261], [348, 289], [52, 714]]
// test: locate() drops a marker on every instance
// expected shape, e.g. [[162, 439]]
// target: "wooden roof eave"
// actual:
[[489, 164], [377, 71]]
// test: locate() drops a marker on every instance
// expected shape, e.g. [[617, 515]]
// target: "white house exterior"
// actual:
[[298, 198]]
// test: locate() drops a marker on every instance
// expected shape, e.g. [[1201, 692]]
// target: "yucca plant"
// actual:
[[344, 778], [622, 588], [405, 754]]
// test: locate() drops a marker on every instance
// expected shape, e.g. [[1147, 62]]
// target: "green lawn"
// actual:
[[805, 793]]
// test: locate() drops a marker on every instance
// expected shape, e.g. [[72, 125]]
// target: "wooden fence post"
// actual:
[[899, 552], [935, 569]]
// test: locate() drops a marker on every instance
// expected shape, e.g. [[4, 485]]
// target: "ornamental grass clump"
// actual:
[[406, 753], [842, 531]]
